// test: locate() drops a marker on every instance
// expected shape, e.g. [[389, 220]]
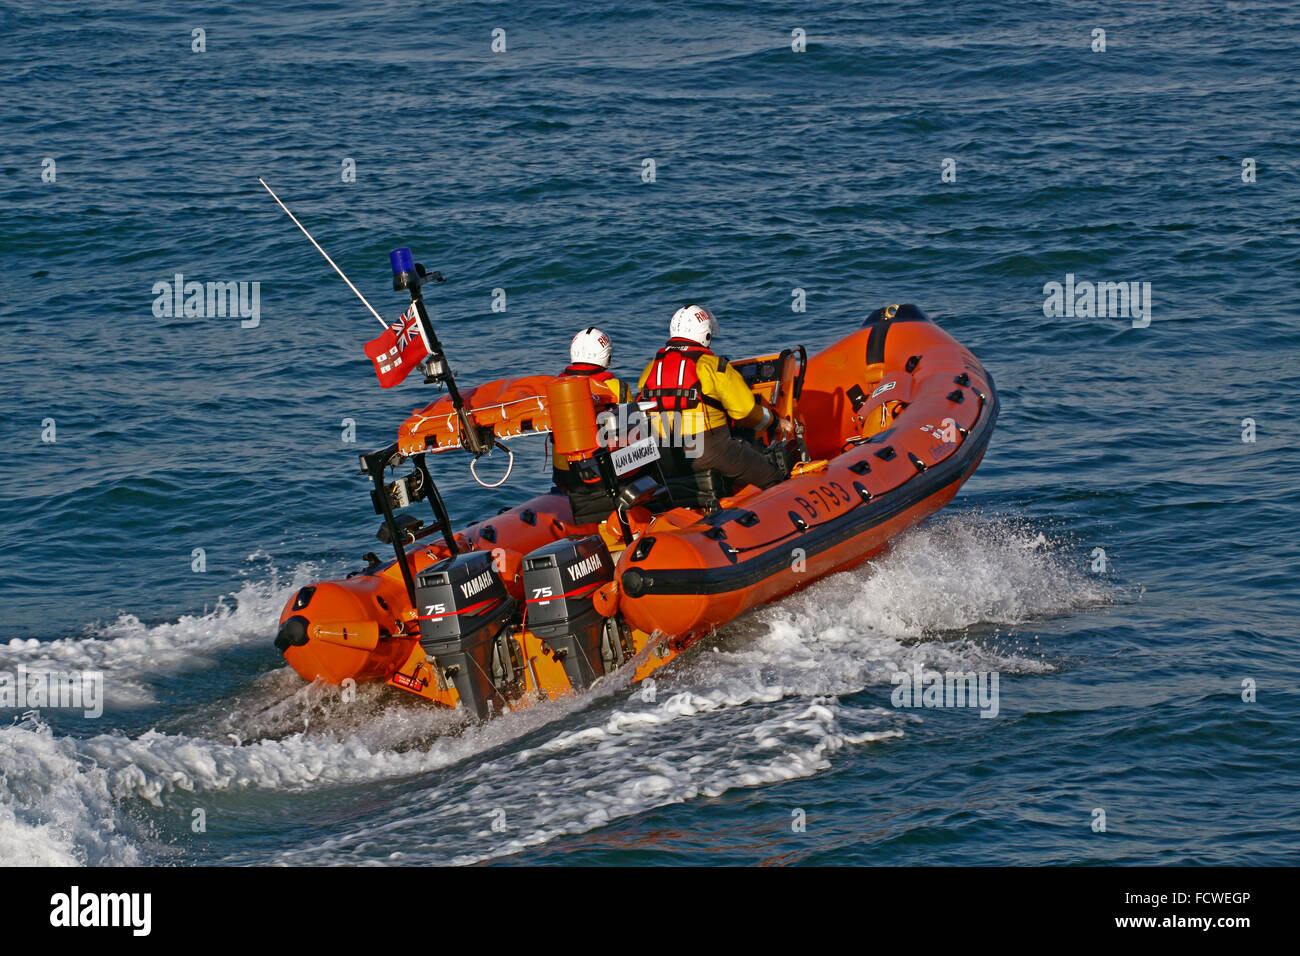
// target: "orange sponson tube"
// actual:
[[573, 417]]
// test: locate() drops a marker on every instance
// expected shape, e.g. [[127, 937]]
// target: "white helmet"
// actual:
[[694, 322], [592, 346]]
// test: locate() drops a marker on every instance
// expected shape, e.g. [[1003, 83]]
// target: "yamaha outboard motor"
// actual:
[[465, 613], [560, 582]]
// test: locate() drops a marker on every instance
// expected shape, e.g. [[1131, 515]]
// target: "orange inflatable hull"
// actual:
[[895, 417], [766, 544]]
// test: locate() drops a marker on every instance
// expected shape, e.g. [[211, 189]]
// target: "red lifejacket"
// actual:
[[617, 390], [588, 369], [673, 382]]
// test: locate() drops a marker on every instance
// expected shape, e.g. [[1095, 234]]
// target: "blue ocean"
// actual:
[[1124, 559]]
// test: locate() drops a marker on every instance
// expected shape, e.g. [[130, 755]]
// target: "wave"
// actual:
[[773, 697]]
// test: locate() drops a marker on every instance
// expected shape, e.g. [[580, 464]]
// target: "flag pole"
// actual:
[[409, 276], [378, 318]]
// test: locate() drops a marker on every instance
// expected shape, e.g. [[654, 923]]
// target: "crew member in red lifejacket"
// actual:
[[697, 395], [589, 355]]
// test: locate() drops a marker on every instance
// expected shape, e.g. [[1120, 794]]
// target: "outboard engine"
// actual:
[[560, 583], [465, 613]]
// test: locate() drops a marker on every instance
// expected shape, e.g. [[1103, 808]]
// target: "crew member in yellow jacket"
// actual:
[[697, 394]]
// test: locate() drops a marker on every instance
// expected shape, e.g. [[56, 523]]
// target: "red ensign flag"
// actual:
[[398, 349]]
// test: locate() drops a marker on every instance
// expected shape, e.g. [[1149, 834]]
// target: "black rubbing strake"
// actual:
[[828, 534]]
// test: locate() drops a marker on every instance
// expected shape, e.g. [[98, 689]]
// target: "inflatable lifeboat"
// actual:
[[562, 590]]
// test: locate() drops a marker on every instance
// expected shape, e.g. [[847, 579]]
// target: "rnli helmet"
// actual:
[[592, 346], [694, 322]]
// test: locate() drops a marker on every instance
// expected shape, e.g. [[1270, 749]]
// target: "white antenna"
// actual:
[[323, 253]]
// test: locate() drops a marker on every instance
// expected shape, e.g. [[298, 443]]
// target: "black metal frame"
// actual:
[[437, 370], [375, 464]]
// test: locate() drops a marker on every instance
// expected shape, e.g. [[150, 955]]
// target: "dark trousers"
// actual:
[[590, 502], [738, 460]]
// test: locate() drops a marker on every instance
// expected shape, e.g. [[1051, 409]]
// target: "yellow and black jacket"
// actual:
[[685, 377]]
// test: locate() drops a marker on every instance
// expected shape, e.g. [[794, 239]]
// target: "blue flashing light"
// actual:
[[402, 261]]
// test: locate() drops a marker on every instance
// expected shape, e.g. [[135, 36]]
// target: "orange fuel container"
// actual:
[[573, 417]]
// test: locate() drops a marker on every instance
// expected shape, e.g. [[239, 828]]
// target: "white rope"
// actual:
[[510, 465]]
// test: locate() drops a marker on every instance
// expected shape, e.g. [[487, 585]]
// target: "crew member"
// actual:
[[589, 355], [697, 394]]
